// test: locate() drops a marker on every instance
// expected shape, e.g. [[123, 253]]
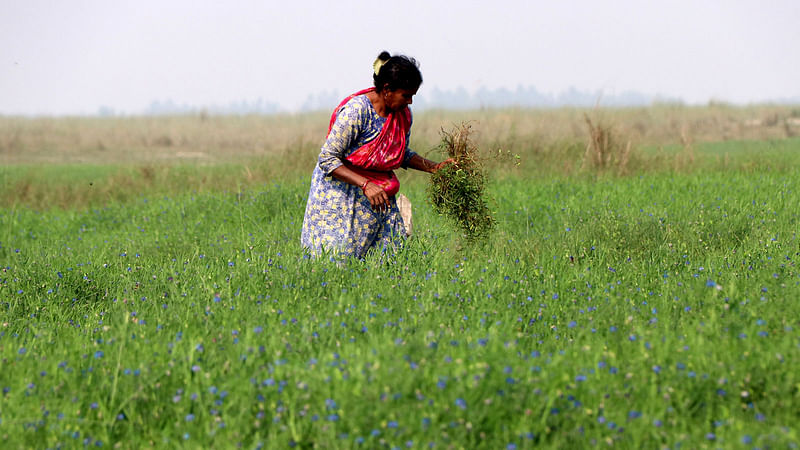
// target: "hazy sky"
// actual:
[[73, 56]]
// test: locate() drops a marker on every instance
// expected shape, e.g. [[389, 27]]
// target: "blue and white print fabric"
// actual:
[[338, 217]]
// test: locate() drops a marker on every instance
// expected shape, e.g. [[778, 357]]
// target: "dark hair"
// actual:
[[397, 72]]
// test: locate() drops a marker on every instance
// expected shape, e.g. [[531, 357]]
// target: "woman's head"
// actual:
[[396, 72]]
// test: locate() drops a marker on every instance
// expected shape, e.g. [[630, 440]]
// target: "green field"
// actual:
[[653, 304]]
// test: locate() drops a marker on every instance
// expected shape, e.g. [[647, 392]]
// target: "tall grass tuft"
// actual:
[[606, 150], [685, 159]]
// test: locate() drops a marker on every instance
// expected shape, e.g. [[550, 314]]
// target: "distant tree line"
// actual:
[[434, 98], [525, 97]]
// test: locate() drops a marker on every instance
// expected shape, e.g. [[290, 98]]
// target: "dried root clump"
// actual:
[[458, 190]]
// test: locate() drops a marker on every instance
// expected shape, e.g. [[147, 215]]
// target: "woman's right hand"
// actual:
[[442, 164], [377, 196]]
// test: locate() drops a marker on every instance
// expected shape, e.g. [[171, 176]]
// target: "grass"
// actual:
[[642, 311], [656, 309], [85, 186], [50, 162]]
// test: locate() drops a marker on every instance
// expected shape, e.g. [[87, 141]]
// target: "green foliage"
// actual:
[[638, 312], [458, 190]]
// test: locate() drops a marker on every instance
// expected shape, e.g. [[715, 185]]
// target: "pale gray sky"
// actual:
[[73, 56]]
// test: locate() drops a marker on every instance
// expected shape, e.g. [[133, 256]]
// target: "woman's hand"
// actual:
[[377, 196], [442, 164]]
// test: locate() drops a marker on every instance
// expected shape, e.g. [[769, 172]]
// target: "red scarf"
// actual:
[[376, 159]]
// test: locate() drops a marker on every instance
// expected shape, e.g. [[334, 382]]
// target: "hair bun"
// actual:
[[395, 72]]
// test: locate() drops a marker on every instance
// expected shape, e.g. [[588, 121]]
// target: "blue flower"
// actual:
[[461, 403]]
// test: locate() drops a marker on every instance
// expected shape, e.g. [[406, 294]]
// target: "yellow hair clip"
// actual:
[[377, 65]]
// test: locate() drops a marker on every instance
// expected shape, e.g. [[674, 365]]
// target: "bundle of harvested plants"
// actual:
[[458, 190]]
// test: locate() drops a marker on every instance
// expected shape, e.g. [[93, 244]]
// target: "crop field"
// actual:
[[154, 293]]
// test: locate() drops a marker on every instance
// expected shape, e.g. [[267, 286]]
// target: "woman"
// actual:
[[351, 204]]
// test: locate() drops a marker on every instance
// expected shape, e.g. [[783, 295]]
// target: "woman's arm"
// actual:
[[426, 165]]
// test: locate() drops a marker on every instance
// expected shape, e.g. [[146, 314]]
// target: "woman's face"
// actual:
[[398, 99]]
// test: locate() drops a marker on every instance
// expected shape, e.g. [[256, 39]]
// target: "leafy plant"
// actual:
[[458, 190]]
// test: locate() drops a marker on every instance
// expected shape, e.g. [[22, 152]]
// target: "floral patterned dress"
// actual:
[[339, 218]]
